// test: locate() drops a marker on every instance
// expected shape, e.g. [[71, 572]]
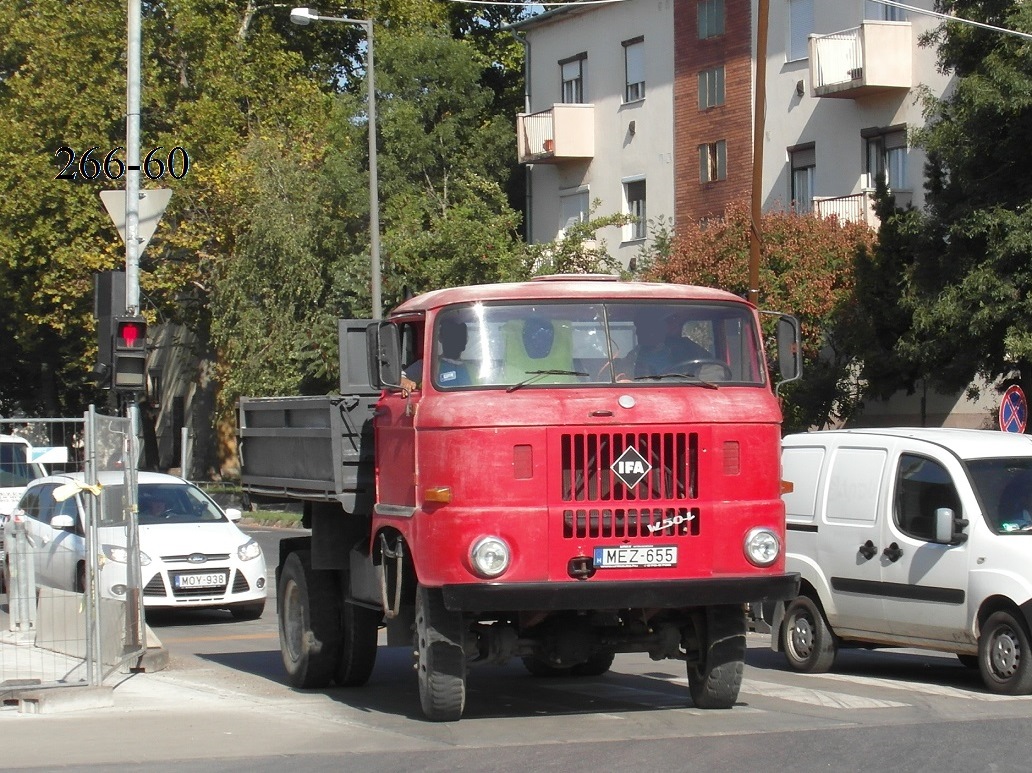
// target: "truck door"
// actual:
[[395, 433], [925, 582], [854, 501]]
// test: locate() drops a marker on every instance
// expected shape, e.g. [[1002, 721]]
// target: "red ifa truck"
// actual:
[[557, 471]]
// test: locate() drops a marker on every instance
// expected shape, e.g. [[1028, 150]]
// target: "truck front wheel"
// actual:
[[309, 622], [442, 660], [715, 680]]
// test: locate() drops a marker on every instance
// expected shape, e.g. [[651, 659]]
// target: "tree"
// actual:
[[806, 270], [970, 287]]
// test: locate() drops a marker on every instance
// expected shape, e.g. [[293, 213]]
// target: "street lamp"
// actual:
[[304, 16]]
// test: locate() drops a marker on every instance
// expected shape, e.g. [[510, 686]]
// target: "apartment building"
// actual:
[[647, 106]]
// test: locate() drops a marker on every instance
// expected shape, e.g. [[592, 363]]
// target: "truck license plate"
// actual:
[[635, 556], [206, 580]]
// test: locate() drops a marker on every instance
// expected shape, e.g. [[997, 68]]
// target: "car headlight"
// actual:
[[762, 546], [249, 550], [120, 554], [490, 556]]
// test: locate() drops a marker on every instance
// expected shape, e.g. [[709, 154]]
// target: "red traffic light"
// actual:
[[131, 334]]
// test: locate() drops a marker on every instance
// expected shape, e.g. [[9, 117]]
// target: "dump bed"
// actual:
[[317, 447]]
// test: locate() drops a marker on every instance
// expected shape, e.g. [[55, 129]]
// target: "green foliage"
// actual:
[[806, 270]]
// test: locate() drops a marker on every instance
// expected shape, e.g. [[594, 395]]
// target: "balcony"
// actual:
[[876, 56], [855, 207], [561, 133]]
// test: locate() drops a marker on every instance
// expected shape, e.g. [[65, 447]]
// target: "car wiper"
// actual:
[[534, 375], [660, 376]]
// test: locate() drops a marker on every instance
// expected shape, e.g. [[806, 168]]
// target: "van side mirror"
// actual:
[[949, 530]]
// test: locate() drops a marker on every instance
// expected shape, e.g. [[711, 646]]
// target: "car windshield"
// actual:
[[516, 345], [15, 467], [1004, 488], [162, 503]]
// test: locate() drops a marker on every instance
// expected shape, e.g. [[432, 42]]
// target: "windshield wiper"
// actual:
[[534, 375], [660, 376]]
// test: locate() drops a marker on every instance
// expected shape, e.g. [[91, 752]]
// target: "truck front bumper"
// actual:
[[590, 595]]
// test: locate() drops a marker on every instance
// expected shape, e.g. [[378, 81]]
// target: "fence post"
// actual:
[[22, 578]]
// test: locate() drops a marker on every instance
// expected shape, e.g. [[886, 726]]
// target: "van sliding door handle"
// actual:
[[893, 552], [868, 550]]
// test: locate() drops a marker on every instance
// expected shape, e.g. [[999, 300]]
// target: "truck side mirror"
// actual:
[[384, 347], [790, 348]]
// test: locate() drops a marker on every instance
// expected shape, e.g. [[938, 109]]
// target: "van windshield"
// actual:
[[676, 343], [1004, 489], [15, 467]]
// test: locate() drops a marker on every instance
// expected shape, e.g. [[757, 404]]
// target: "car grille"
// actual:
[[598, 504], [240, 584], [156, 587], [186, 558]]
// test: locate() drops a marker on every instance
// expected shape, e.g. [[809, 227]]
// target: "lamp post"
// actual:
[[305, 16]]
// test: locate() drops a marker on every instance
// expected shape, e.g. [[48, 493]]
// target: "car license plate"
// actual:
[[635, 556], [205, 580]]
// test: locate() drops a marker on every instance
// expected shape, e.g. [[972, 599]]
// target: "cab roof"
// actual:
[[560, 288], [964, 443]]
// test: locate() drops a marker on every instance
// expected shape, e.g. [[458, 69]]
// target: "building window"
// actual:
[[881, 12], [713, 162], [634, 198], [573, 209], [800, 26], [887, 155], [634, 69], [711, 18], [571, 72], [711, 88], [803, 161]]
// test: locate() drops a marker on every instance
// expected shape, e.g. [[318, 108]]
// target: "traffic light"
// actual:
[[129, 354]]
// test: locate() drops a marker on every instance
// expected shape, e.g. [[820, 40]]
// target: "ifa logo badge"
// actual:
[[630, 467]]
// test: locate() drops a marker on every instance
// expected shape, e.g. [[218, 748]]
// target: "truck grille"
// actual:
[[603, 506]]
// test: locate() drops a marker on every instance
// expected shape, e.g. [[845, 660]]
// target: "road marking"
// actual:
[[929, 689], [823, 698]]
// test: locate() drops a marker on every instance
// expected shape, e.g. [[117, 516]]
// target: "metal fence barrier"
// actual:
[[56, 629]]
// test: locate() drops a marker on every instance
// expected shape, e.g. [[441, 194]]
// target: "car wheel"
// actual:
[[1005, 655], [80, 578], [250, 611], [442, 660], [714, 681], [806, 639], [309, 622]]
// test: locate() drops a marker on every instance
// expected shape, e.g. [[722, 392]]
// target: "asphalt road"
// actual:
[[224, 706]]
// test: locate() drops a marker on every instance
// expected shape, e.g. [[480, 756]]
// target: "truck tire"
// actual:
[[441, 661], [309, 622], [360, 628], [806, 639], [1005, 655], [715, 681]]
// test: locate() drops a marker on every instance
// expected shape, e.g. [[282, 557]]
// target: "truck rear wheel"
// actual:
[[714, 682], [442, 660], [360, 627], [309, 622], [807, 641]]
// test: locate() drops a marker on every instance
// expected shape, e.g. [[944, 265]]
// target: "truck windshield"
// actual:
[[1004, 487], [546, 344]]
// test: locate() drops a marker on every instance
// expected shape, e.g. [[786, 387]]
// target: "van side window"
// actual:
[[922, 486]]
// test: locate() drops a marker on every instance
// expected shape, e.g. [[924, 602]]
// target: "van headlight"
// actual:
[[762, 546], [120, 555], [249, 550], [490, 556]]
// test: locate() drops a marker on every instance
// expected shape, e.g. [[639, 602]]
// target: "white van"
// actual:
[[910, 538], [16, 470]]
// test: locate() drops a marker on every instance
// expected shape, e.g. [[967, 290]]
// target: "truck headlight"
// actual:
[[490, 556], [762, 546]]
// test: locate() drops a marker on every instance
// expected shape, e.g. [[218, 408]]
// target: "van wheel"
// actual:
[[714, 682], [309, 622], [1005, 655], [441, 661], [807, 641]]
